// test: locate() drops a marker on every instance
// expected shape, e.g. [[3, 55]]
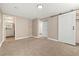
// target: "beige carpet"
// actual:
[[37, 47]]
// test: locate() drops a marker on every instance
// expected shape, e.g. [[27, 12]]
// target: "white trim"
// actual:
[[22, 37], [26, 37], [36, 36], [1, 43], [58, 40], [3, 34], [53, 39]]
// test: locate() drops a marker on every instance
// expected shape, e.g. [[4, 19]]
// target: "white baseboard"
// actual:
[[36, 36], [27, 37], [22, 37], [53, 39], [60, 41], [1, 43]]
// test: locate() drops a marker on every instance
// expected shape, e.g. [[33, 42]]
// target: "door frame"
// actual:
[[42, 29], [4, 31]]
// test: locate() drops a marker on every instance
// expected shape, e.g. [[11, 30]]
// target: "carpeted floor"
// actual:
[[37, 47]]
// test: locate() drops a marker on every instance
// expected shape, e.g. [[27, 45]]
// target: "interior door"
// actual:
[[9, 29], [44, 29], [67, 28]]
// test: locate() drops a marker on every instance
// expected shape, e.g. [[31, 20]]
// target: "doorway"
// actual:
[[45, 29], [9, 28]]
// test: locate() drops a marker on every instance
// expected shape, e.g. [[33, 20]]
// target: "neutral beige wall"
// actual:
[[77, 28], [35, 27], [22, 28], [77, 14], [30, 27], [77, 31], [0, 28], [53, 27]]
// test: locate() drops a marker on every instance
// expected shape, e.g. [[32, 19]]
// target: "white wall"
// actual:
[[23, 28]]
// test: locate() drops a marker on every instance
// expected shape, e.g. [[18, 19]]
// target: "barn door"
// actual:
[[67, 28]]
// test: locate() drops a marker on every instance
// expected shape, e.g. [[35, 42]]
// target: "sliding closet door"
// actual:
[[67, 28]]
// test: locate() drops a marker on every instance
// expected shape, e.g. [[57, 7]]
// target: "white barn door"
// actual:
[[67, 28]]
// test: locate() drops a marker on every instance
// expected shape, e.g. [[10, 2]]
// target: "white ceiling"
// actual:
[[30, 10]]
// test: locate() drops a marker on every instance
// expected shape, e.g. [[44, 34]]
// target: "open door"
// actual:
[[67, 28], [8, 28]]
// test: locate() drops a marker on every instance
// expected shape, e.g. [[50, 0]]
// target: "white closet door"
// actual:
[[67, 28]]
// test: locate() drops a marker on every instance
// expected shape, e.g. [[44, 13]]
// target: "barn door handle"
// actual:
[[73, 27]]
